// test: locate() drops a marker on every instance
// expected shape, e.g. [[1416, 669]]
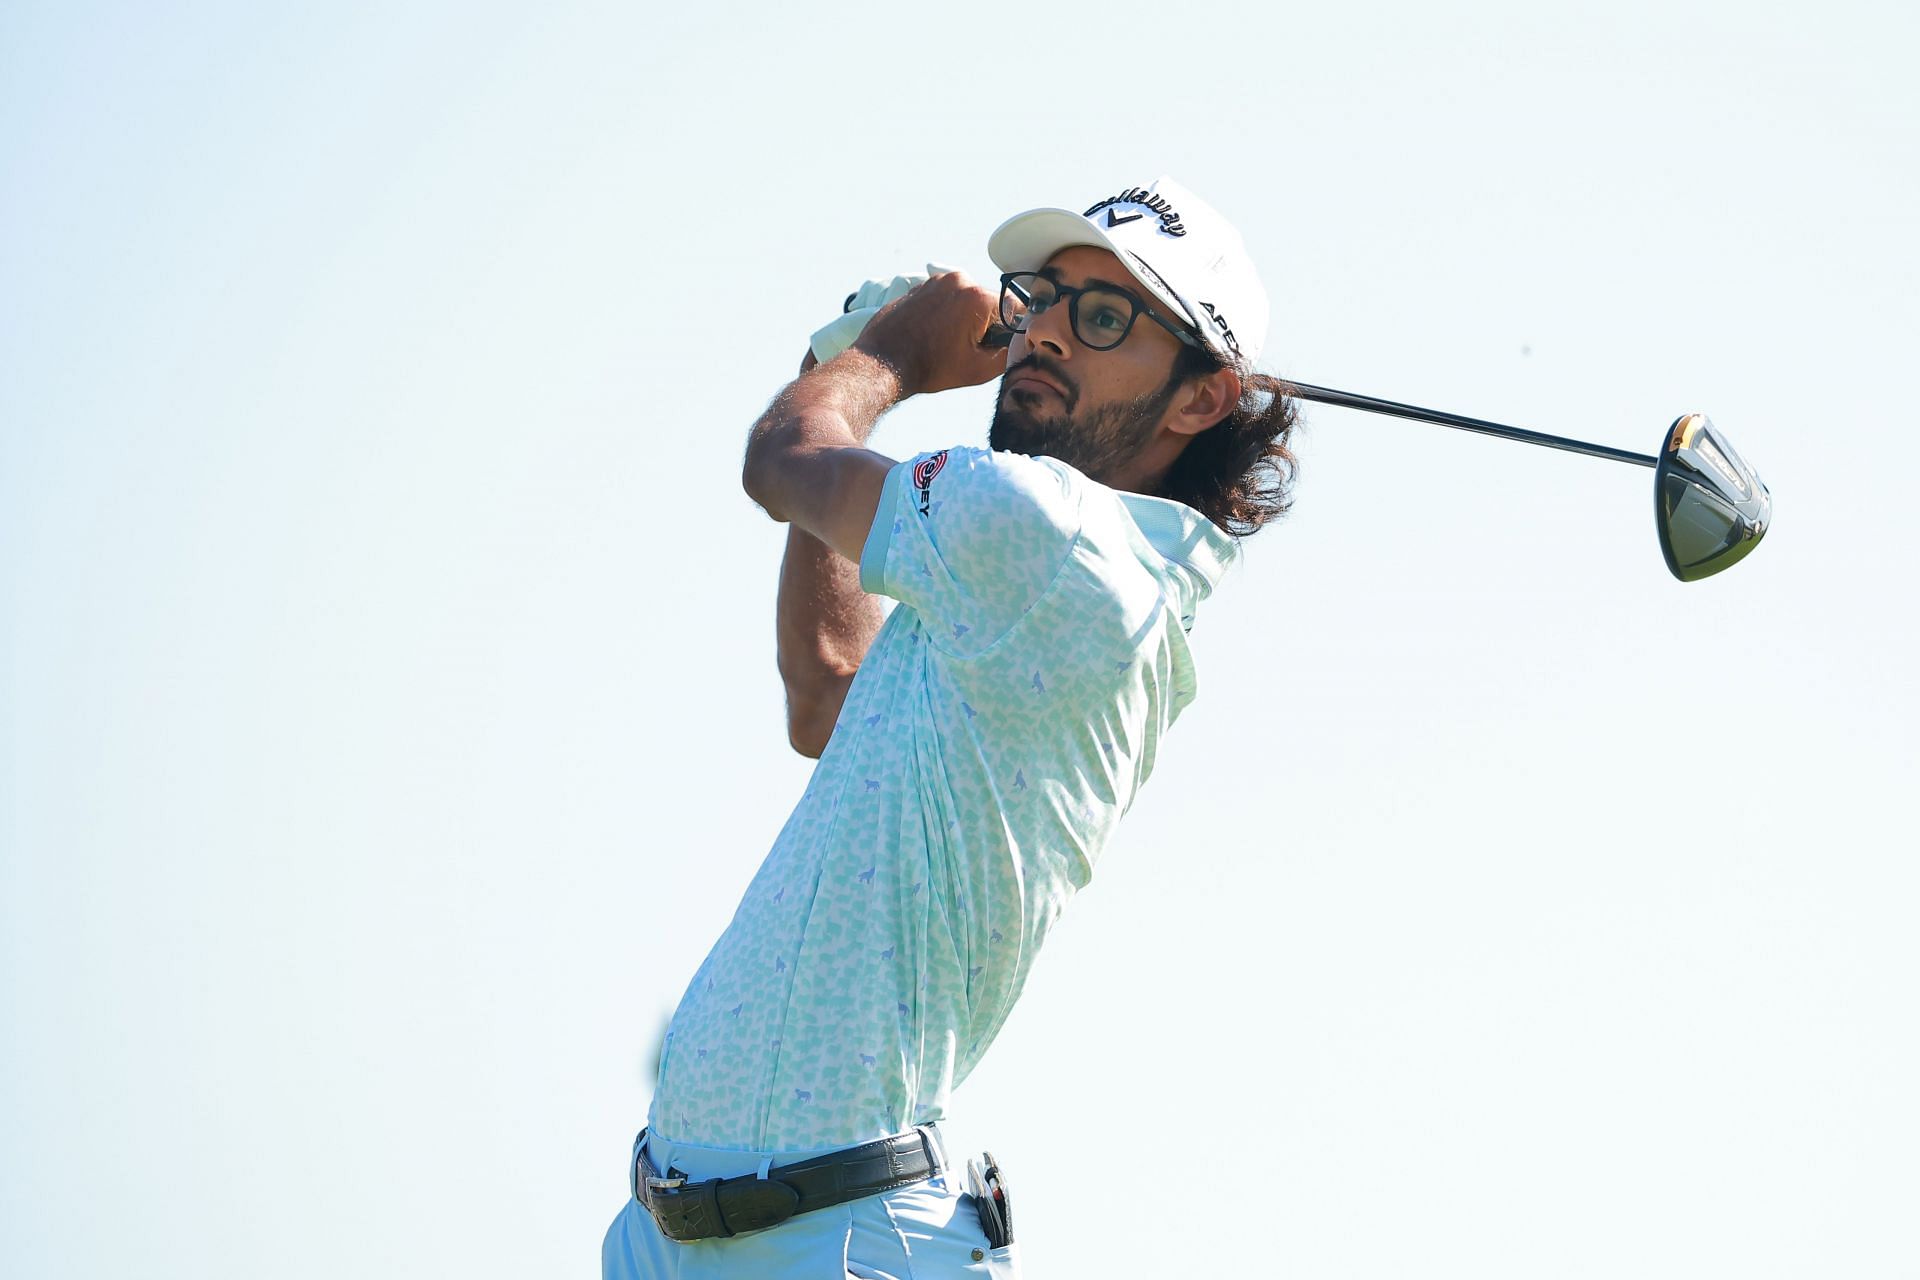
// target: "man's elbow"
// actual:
[[813, 710], [792, 452], [809, 729], [807, 739], [757, 472], [768, 441]]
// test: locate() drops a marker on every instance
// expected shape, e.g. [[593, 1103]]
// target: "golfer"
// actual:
[[977, 747]]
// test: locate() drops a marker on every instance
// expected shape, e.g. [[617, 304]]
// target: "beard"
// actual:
[[1097, 441]]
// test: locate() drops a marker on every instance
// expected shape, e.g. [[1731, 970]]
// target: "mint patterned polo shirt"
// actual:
[[1005, 717]]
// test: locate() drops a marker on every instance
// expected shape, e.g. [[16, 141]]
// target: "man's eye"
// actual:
[[1109, 320]]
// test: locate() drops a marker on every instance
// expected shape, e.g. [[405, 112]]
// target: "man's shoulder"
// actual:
[[998, 468], [974, 538], [966, 491]]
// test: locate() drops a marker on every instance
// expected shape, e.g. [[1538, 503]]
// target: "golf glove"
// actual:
[[833, 338]]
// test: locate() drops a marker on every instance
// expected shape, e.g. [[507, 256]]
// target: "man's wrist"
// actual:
[[898, 366]]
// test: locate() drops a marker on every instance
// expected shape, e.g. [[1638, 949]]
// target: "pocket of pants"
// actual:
[[935, 1234]]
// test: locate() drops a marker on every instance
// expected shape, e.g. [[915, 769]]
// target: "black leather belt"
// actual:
[[727, 1206]]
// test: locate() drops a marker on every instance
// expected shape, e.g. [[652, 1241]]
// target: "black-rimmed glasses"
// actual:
[[1101, 316]]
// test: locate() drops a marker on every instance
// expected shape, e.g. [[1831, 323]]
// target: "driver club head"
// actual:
[[1710, 506]]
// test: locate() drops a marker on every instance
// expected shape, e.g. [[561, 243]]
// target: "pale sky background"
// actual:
[[390, 716]]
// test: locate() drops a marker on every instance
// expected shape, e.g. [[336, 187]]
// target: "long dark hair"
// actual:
[[1238, 473]]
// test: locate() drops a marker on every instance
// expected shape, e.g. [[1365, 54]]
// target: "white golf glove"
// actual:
[[833, 338]]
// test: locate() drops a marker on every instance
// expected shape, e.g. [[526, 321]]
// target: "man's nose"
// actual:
[[1051, 330]]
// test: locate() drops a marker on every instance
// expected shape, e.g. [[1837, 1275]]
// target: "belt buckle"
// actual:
[[651, 1179]]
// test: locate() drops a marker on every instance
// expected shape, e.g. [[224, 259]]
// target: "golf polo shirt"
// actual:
[[1003, 720]]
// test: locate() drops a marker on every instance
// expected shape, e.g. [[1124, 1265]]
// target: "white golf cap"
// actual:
[[1174, 243]]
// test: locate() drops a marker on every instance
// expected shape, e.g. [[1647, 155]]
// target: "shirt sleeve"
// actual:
[[971, 539]]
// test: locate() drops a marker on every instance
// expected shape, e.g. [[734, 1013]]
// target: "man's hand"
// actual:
[[932, 337], [838, 334]]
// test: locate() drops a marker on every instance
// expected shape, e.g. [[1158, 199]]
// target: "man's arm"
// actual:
[[824, 626], [807, 464]]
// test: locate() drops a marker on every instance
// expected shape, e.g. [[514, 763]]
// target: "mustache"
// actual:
[[1051, 368]]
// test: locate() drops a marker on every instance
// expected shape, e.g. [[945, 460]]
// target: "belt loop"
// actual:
[[766, 1163], [930, 1143]]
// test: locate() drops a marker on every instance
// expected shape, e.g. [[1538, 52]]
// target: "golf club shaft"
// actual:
[[1348, 400], [998, 335]]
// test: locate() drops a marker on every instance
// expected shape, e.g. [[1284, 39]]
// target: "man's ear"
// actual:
[[1204, 401]]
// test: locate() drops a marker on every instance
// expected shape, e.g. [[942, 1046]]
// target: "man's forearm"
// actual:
[[836, 403], [824, 626]]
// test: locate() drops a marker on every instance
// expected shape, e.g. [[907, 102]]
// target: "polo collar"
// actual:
[[1184, 536]]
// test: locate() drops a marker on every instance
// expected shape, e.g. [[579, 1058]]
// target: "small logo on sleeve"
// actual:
[[923, 473]]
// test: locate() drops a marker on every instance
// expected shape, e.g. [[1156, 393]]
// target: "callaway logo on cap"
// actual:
[[1176, 245]]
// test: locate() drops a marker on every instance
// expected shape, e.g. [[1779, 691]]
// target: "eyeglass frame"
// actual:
[[1071, 296]]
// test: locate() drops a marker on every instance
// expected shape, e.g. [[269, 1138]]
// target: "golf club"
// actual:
[[1710, 508]]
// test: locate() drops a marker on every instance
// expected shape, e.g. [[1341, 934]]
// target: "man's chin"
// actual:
[[1013, 431]]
